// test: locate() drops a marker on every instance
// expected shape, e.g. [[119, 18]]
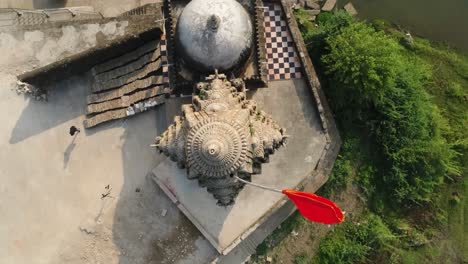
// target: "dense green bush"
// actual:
[[363, 64], [343, 167], [355, 241], [328, 24], [374, 83], [406, 104]]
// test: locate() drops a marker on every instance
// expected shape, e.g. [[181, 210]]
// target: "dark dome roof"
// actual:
[[214, 34]]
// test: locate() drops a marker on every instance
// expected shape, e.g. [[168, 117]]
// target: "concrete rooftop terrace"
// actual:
[[108, 8], [51, 205]]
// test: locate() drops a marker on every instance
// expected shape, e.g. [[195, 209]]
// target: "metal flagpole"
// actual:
[[258, 185]]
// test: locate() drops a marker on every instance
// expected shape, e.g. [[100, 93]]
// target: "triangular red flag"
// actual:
[[316, 208]]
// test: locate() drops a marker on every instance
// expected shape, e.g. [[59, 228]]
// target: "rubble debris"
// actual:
[[107, 194], [87, 230], [408, 39], [312, 4], [312, 13], [30, 90], [350, 9], [329, 5], [164, 212]]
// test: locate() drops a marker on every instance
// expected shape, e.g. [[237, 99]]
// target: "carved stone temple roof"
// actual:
[[219, 135]]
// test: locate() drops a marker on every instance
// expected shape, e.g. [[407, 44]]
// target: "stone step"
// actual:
[[128, 68], [7, 22], [8, 15], [126, 58], [125, 100], [249, 245], [81, 9], [58, 14], [87, 16], [126, 89], [128, 78], [123, 112], [31, 18]]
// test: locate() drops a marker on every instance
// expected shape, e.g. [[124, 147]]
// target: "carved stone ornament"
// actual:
[[219, 135]]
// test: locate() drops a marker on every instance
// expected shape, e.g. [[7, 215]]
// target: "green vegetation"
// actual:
[[401, 106], [343, 169], [356, 242], [374, 83]]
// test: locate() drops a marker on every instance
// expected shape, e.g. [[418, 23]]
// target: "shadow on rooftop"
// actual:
[[65, 102], [140, 230], [44, 4], [134, 216]]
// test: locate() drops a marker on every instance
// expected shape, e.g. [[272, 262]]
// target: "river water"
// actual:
[[441, 20]]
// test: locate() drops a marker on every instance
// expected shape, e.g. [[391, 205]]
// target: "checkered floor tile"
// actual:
[[282, 59], [164, 60]]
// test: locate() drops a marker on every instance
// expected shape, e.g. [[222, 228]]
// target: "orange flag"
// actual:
[[315, 208]]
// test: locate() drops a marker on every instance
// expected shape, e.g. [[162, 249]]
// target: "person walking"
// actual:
[[74, 130]]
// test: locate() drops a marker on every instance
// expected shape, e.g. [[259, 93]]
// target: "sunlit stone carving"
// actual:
[[219, 135]]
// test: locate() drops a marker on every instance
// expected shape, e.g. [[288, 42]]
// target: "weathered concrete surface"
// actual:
[[51, 185], [27, 50], [108, 8], [289, 168]]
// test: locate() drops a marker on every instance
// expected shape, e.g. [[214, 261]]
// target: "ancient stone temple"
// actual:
[[219, 135], [160, 54]]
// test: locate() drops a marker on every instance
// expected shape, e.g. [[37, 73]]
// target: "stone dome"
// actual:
[[214, 34]]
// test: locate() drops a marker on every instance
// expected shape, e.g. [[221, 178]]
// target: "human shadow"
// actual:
[[68, 151], [133, 211], [62, 105]]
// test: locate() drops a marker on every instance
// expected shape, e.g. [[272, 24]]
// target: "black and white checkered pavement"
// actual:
[[282, 59]]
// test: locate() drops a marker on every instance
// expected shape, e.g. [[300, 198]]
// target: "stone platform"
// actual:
[[290, 104]]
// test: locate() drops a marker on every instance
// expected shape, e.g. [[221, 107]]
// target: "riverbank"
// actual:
[[444, 21]]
